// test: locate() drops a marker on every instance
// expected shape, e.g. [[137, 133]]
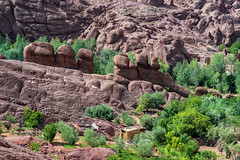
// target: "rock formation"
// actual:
[[43, 53], [146, 68]]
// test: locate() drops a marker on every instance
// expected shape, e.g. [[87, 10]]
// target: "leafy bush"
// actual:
[[120, 143], [50, 131], [191, 122], [34, 146], [132, 56], [221, 47], [103, 63], [208, 155], [11, 118], [150, 101], [235, 47], [1, 127], [32, 118], [100, 111], [158, 134], [69, 134], [127, 119], [163, 67], [144, 148], [117, 120], [142, 135], [147, 121], [8, 125], [92, 139]]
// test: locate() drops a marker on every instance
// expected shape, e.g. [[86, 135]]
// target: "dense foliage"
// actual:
[[214, 75], [32, 119], [69, 134], [150, 101], [11, 118], [1, 130], [127, 119], [34, 145], [93, 139], [49, 132], [100, 111]]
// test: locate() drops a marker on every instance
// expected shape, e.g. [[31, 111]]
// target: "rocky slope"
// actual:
[[128, 25]]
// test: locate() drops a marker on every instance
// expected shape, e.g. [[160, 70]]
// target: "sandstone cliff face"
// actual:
[[128, 25]]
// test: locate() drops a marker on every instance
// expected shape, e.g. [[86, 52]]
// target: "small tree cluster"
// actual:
[[127, 119], [147, 121], [69, 134], [49, 132], [150, 101], [32, 119], [92, 139], [100, 111]]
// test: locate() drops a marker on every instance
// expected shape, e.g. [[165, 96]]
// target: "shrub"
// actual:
[[92, 139], [61, 126], [127, 119], [144, 148], [131, 56], [150, 101], [8, 125], [208, 155], [158, 134], [191, 122], [100, 111], [221, 47], [69, 134], [50, 131], [34, 146], [147, 121], [120, 143], [117, 120], [1, 127], [32, 119], [10, 118], [163, 67]]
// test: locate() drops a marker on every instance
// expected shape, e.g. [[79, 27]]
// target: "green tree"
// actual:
[[150, 101], [32, 119], [127, 119], [100, 111], [49, 132], [144, 148], [147, 121]]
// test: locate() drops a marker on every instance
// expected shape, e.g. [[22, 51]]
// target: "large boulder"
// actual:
[[39, 52], [199, 91], [85, 60], [156, 3], [2, 56], [65, 57], [114, 36], [136, 88]]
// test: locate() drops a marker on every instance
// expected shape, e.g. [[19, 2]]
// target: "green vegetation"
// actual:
[[50, 131], [13, 50], [214, 75], [150, 101], [235, 47], [127, 119], [32, 119], [8, 125], [34, 146], [11, 118], [67, 146], [163, 67], [69, 134], [147, 121], [1, 130], [132, 56], [117, 120], [103, 63], [100, 111], [221, 47], [54, 156], [92, 139]]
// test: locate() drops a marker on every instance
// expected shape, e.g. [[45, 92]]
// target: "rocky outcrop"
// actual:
[[94, 153], [70, 91], [156, 3], [65, 57], [43, 53], [85, 60], [8, 150], [199, 91], [171, 50], [39, 52], [146, 68]]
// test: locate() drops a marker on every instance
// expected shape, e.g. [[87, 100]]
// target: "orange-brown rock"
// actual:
[[65, 57], [85, 60], [39, 52], [199, 91]]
